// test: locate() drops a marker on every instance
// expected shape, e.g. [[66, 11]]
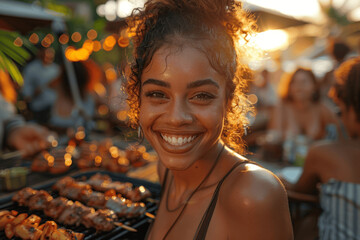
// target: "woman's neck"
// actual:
[[190, 178]]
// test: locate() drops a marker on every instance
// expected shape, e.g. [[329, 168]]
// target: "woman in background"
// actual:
[[301, 111], [185, 92], [65, 113], [332, 169]]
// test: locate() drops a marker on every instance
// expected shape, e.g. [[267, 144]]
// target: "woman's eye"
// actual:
[[155, 94], [203, 96]]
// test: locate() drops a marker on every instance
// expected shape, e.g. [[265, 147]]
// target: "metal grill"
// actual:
[[140, 223]]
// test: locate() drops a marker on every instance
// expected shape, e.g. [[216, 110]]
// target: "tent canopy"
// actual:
[[271, 19], [23, 17]]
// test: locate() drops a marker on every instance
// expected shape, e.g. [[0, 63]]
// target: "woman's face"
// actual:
[[302, 87], [183, 105]]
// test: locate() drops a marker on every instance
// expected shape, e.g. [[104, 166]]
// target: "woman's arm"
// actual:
[[310, 176]]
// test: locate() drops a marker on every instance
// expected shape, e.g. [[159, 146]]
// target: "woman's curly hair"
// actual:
[[347, 86], [215, 27]]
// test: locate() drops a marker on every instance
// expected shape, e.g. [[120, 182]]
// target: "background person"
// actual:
[[301, 111], [64, 112], [17, 134], [184, 91], [331, 169], [38, 76], [338, 51]]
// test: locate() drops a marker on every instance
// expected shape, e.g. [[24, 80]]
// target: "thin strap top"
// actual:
[[205, 221], [161, 196]]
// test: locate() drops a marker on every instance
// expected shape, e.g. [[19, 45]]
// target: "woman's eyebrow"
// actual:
[[156, 82], [202, 82]]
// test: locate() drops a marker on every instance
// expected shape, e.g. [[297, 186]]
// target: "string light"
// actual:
[[18, 42], [34, 38]]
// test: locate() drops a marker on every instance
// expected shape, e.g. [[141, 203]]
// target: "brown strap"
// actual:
[[163, 183], [205, 221], [161, 195]]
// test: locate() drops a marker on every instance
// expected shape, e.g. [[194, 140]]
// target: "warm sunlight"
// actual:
[[271, 40], [303, 8]]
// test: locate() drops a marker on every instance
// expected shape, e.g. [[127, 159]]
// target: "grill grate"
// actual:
[[141, 223]]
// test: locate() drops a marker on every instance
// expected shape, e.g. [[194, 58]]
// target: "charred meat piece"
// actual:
[[66, 234], [48, 228], [56, 207], [73, 214], [101, 220], [22, 196], [25, 227], [73, 190], [93, 199], [27, 231], [62, 183], [104, 183], [39, 200], [120, 187], [5, 218], [138, 194], [9, 227], [125, 208], [99, 181]]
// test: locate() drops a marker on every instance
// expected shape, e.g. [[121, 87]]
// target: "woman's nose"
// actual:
[[179, 113]]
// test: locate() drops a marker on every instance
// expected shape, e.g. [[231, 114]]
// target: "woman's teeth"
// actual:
[[176, 140]]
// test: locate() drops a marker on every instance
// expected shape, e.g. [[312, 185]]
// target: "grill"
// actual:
[[141, 223]]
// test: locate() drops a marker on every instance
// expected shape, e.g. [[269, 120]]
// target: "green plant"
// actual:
[[11, 55]]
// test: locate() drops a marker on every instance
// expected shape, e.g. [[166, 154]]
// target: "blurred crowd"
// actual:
[[295, 109], [314, 123], [60, 96]]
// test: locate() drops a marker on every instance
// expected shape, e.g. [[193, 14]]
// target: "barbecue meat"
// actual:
[[73, 190], [62, 183], [101, 220], [56, 207], [125, 208], [93, 199], [39, 200], [22, 196], [66, 234], [73, 214], [138, 194]]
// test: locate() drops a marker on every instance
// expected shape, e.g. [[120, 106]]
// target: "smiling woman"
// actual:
[[186, 91]]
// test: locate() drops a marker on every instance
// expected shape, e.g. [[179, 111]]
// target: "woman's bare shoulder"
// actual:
[[255, 198], [324, 150], [251, 182]]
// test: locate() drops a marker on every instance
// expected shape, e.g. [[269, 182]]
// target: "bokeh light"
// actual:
[[34, 38], [76, 37]]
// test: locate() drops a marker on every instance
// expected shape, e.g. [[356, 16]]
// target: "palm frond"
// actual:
[[10, 54]]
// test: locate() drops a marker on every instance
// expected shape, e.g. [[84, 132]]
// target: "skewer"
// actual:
[[150, 215], [19, 153], [14, 154], [119, 224], [151, 200], [114, 223]]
